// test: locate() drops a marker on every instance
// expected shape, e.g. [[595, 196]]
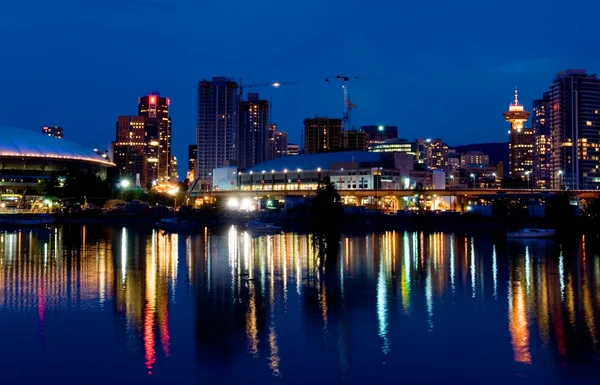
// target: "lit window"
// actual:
[[588, 123]]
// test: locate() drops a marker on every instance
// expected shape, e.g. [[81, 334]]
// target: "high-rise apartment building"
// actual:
[[377, 134], [192, 162], [253, 131], [53, 131], [277, 144], [574, 119], [155, 109], [542, 160], [520, 144], [322, 135], [129, 148], [217, 125], [433, 153]]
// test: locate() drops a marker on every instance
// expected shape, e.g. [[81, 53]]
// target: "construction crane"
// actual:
[[274, 85], [348, 105]]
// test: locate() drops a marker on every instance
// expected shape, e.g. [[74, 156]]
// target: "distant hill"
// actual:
[[498, 152]]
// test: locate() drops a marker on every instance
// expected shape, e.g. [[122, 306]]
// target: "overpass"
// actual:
[[358, 193]]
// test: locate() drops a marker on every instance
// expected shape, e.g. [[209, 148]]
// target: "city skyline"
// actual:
[[397, 72]]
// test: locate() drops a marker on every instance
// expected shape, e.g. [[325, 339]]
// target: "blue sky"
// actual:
[[433, 68]]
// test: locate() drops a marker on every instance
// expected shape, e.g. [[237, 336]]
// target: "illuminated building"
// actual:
[[293, 149], [217, 125], [378, 134], [129, 148], [474, 159], [155, 109], [542, 161], [355, 140], [27, 157], [53, 131], [322, 135], [277, 144], [574, 120], [394, 145], [174, 177], [520, 144], [253, 131], [433, 153], [192, 161]]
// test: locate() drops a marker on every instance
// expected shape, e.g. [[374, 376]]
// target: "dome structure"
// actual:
[[20, 143]]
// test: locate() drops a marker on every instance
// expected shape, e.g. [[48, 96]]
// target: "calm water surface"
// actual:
[[98, 305]]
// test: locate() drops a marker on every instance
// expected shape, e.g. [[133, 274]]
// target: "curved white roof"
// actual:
[[28, 144]]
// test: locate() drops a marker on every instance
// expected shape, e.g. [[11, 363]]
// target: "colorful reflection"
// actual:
[[262, 296]]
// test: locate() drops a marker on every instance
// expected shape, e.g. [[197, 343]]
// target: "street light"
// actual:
[[560, 174], [319, 177], [125, 183], [473, 176]]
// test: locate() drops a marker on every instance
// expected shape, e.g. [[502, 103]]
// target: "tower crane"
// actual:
[[348, 105]]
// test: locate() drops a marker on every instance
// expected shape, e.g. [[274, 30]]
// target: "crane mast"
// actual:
[[348, 105]]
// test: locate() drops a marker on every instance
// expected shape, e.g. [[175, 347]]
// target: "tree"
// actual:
[[326, 215]]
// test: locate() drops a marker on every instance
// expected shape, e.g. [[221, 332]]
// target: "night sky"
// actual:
[[433, 68]]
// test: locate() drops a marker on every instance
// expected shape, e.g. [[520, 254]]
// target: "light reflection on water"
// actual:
[[258, 303]]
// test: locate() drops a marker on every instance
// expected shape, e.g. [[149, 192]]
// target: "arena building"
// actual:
[[27, 157]]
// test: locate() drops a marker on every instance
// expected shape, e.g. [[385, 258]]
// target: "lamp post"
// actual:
[[452, 180], [239, 180], [251, 181], [560, 175], [495, 178], [285, 181], [272, 179], [299, 182], [263, 179], [473, 177], [319, 177]]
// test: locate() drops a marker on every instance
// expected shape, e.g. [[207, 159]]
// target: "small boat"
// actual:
[[259, 226], [531, 233], [176, 225]]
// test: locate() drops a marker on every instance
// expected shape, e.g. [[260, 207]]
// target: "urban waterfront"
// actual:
[[85, 304]]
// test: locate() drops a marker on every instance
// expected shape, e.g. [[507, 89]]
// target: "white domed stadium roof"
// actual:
[[28, 144]]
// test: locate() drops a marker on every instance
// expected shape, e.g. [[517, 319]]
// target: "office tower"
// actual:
[[192, 162], [542, 160], [322, 135], [474, 159], [575, 130], [377, 134], [355, 140], [217, 125], [293, 149], [155, 109], [520, 143], [278, 143], [128, 149], [53, 131], [253, 131]]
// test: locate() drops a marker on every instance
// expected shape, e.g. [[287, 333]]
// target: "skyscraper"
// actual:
[[129, 146], [217, 125], [542, 161], [355, 140], [253, 131], [322, 135], [155, 110], [277, 143], [520, 144], [53, 131], [574, 119]]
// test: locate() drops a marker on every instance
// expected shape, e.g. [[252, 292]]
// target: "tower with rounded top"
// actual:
[[520, 144]]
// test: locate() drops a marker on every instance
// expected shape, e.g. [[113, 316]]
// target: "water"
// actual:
[[91, 305]]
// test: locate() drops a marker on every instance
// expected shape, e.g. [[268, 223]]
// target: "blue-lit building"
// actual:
[[27, 157]]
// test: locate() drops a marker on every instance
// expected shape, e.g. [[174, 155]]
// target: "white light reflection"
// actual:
[[561, 275], [429, 298], [495, 271], [123, 254], [382, 308], [527, 270]]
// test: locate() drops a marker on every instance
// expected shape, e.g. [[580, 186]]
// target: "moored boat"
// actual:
[[258, 226], [531, 233]]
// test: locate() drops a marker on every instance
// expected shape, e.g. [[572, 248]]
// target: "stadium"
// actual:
[[27, 158]]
